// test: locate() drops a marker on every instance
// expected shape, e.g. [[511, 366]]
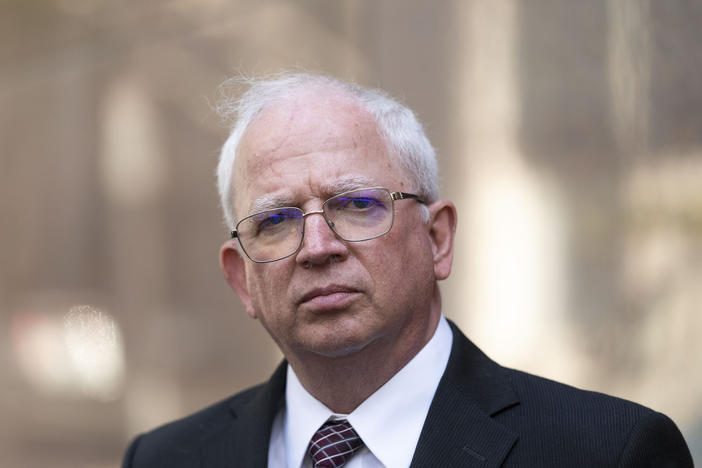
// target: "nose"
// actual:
[[320, 245]]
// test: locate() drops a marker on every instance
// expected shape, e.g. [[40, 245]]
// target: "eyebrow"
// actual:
[[328, 189], [269, 202], [347, 184]]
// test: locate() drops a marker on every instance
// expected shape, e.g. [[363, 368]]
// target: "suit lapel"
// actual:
[[459, 430], [245, 441]]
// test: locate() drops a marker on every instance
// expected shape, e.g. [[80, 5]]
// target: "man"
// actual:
[[339, 240]]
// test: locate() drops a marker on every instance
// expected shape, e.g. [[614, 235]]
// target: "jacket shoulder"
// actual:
[[177, 442], [552, 396], [587, 428]]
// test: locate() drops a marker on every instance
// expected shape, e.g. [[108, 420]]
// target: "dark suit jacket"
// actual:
[[483, 415]]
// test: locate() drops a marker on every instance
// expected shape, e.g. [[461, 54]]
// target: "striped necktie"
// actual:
[[333, 444]]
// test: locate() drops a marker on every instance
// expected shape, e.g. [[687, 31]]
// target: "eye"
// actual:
[[358, 203], [276, 218], [363, 202], [270, 222]]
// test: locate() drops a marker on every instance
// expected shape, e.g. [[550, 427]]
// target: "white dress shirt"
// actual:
[[389, 421]]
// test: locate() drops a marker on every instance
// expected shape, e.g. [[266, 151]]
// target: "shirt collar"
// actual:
[[304, 414], [389, 421]]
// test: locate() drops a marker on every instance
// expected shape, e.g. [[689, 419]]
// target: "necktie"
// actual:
[[333, 444]]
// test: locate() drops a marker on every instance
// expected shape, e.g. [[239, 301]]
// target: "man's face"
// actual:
[[332, 297]]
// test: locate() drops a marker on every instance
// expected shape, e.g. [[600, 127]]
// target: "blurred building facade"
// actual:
[[569, 136]]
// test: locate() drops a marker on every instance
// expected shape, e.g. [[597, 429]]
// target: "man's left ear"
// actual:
[[442, 230]]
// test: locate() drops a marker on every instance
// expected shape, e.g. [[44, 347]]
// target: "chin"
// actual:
[[338, 352], [338, 346], [336, 339]]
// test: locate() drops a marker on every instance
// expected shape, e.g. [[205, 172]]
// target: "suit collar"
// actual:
[[245, 441], [459, 430]]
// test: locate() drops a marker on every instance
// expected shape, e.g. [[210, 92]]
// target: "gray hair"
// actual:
[[397, 124]]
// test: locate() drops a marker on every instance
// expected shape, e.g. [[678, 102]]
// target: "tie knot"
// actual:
[[333, 444]]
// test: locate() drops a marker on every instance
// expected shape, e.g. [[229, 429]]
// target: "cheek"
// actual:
[[410, 260], [268, 288], [259, 290], [398, 262]]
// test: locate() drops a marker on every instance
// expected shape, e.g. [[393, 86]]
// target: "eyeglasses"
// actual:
[[354, 216]]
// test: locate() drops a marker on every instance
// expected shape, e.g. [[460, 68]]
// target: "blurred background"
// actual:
[[569, 136]]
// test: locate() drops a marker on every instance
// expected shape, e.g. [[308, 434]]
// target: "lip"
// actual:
[[332, 296]]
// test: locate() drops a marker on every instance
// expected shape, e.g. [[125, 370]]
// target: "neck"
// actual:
[[342, 383]]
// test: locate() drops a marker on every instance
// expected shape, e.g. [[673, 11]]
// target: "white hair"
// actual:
[[397, 124]]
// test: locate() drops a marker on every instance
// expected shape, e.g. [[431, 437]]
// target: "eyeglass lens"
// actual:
[[354, 216], [360, 215], [271, 234]]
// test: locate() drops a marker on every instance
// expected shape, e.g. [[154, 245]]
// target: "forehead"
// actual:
[[305, 123], [310, 141]]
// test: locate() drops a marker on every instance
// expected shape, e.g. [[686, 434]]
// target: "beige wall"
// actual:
[[569, 135]]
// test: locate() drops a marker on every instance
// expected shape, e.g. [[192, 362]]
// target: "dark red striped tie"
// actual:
[[333, 444]]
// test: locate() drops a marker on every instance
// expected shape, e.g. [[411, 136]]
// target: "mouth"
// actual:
[[328, 297]]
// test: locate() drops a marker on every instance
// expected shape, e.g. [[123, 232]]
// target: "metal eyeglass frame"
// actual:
[[393, 196]]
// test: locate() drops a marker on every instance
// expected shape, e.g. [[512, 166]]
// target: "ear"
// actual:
[[442, 231], [234, 269]]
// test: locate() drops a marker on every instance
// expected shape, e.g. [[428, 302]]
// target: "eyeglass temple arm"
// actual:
[[403, 195], [234, 234]]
